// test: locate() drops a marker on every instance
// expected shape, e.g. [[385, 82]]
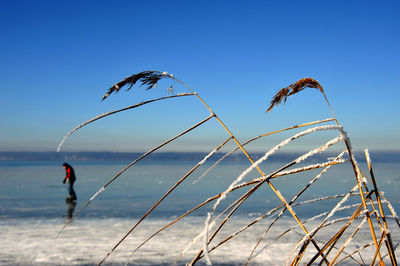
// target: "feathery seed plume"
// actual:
[[148, 78], [293, 89]]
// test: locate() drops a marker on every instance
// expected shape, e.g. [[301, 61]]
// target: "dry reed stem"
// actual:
[[272, 212], [305, 222], [390, 207], [305, 241], [256, 166], [394, 247], [290, 203], [271, 151], [320, 149], [311, 219], [275, 209], [247, 155], [383, 236], [294, 162], [356, 251], [361, 183], [262, 136], [176, 220], [162, 198], [365, 246], [300, 85], [388, 241], [341, 231], [151, 78], [295, 171], [349, 239], [127, 167], [240, 201], [215, 197], [114, 112], [298, 204], [155, 76], [187, 213]]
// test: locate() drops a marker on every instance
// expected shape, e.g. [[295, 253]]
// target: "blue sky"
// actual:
[[59, 57]]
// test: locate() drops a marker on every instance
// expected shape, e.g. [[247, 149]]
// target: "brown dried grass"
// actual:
[[292, 89], [150, 80]]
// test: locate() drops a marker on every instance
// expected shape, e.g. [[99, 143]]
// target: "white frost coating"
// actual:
[[194, 240], [207, 156], [252, 223], [319, 199], [110, 113], [313, 180], [367, 156], [202, 161], [266, 155], [345, 198], [358, 173], [212, 167], [270, 152], [97, 193], [296, 170], [309, 167], [344, 134], [302, 190], [307, 221], [332, 212], [354, 233], [392, 209], [320, 149], [357, 251], [205, 243]]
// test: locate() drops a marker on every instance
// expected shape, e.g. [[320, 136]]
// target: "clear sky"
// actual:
[[57, 59]]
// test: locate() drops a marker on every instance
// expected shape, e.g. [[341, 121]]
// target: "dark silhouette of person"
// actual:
[[71, 208], [70, 180]]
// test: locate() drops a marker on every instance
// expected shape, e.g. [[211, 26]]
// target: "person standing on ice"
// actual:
[[70, 180]]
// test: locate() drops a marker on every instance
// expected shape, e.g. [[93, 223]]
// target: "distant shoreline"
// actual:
[[379, 156]]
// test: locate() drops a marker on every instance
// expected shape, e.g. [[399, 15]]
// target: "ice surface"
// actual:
[[86, 241]]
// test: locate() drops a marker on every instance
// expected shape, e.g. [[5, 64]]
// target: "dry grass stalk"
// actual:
[[333, 240], [258, 137], [114, 112], [255, 165], [291, 203], [273, 212], [163, 197], [320, 149], [357, 251], [306, 239], [386, 232], [128, 166], [238, 202], [150, 80]]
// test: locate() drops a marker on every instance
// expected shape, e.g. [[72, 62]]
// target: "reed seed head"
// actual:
[[293, 89], [147, 78]]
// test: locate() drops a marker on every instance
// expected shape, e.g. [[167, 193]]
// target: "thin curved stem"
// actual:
[[162, 198], [128, 166], [114, 112]]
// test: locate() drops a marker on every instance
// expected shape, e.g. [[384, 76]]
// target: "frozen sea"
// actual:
[[33, 210]]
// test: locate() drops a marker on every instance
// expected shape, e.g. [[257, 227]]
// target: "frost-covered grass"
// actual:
[[291, 238]]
